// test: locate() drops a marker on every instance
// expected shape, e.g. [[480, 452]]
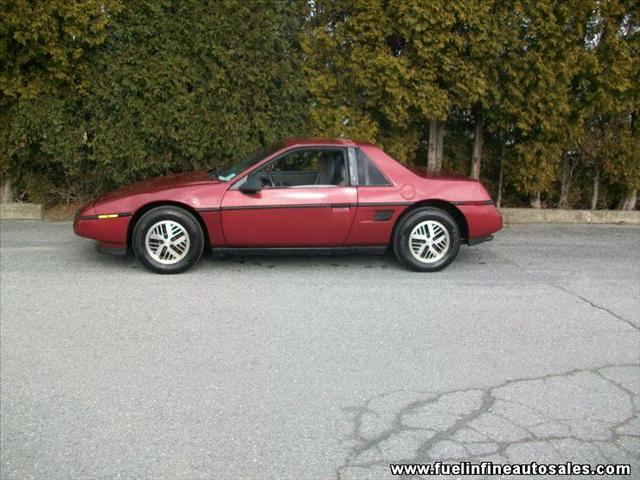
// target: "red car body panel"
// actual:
[[296, 216]]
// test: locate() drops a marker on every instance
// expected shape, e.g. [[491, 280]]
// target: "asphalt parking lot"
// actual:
[[526, 348]]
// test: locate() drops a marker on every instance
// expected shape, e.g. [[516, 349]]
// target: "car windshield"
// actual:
[[227, 173]]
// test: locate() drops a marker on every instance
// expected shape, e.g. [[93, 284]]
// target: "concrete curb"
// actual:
[[541, 215], [21, 211]]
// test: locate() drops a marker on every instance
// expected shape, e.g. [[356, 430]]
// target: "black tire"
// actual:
[[403, 231], [184, 219]]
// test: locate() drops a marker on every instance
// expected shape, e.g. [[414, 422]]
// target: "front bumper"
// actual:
[[111, 233]]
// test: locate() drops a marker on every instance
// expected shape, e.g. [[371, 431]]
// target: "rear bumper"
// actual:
[[482, 220]]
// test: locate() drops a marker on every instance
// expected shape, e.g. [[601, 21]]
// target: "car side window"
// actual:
[[306, 168], [368, 173], [299, 161]]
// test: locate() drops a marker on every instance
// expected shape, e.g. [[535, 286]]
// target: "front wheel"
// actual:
[[427, 240], [168, 240]]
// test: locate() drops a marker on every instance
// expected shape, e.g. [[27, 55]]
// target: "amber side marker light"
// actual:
[[110, 215]]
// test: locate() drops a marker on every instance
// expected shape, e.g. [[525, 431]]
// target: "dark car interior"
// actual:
[[306, 168]]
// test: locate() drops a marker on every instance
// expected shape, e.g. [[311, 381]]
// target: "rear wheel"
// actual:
[[427, 240], [168, 240]]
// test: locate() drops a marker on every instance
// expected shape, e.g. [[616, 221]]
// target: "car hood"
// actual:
[[158, 184]]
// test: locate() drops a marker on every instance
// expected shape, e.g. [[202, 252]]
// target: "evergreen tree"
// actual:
[[542, 62], [541, 97], [44, 47], [610, 100], [43, 44], [390, 71], [194, 84], [171, 86]]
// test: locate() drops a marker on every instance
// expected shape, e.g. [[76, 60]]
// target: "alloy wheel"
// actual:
[[167, 242], [429, 241]]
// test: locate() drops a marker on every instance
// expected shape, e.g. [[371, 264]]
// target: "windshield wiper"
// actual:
[[213, 173]]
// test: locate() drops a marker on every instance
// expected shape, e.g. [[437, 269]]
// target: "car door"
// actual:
[[306, 201]]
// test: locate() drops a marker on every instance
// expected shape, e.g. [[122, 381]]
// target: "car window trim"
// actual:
[[344, 150], [353, 166], [389, 182]]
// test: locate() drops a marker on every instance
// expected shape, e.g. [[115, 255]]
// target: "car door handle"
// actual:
[[340, 206]]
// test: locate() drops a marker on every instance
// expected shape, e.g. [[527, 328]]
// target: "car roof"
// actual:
[[345, 142]]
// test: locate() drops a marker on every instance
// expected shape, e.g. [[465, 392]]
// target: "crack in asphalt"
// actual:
[[573, 294], [495, 423], [598, 307]]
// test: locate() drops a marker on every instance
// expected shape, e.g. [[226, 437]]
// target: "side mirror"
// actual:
[[252, 184]]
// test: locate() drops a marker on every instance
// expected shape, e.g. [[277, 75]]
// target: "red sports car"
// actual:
[[302, 195]]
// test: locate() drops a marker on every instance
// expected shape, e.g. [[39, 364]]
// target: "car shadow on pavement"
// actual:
[[467, 258], [306, 261]]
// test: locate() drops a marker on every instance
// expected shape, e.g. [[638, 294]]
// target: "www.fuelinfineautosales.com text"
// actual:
[[489, 468]]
